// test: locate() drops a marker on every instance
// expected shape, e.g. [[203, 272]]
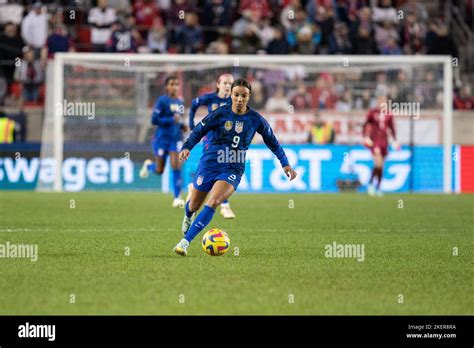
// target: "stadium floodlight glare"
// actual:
[[118, 86]]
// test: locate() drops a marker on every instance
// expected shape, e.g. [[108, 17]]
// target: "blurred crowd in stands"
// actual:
[[33, 32]]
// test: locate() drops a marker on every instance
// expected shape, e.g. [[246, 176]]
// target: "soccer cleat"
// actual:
[[187, 221], [379, 193], [371, 190], [177, 203], [182, 247], [144, 172], [226, 212]]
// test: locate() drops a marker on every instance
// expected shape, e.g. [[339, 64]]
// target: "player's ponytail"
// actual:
[[243, 83]]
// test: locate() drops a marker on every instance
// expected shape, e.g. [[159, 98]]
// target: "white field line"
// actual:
[[14, 230], [92, 230]]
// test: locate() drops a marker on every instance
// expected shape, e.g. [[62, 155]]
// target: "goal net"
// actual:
[[97, 129]]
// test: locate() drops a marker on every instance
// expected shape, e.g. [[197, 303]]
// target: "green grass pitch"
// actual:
[[409, 241]]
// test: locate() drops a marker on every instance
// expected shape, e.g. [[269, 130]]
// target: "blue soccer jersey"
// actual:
[[213, 102], [163, 116], [232, 136], [169, 132]]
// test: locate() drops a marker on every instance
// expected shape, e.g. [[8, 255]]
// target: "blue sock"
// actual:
[[226, 201], [201, 221], [188, 212], [152, 167], [176, 182]]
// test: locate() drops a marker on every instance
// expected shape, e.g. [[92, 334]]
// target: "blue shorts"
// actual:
[[162, 146], [204, 179]]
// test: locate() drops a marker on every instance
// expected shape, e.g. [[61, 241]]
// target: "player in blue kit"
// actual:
[[223, 163], [213, 101], [168, 115]]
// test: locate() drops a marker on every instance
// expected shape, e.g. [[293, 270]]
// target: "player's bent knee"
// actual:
[[214, 202]]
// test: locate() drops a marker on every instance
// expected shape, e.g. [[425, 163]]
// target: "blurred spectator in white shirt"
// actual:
[[157, 40], [384, 12], [277, 102], [384, 33], [101, 18], [34, 28], [12, 13]]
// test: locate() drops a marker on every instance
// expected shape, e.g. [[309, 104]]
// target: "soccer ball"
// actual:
[[215, 242]]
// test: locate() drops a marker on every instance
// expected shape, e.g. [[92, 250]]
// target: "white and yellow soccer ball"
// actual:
[[215, 242]]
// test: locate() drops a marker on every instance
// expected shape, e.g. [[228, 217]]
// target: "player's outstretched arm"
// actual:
[[272, 143]]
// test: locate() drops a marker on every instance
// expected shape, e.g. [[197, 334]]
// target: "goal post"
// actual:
[[88, 77], [447, 124], [57, 97]]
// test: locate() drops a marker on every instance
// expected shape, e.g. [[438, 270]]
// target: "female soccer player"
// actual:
[[222, 165], [377, 128], [213, 101], [168, 116]]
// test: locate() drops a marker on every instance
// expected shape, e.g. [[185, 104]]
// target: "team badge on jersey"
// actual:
[[176, 108], [228, 125], [214, 106], [199, 180], [239, 126]]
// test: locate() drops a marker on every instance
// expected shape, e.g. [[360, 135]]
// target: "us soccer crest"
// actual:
[[228, 125], [239, 126], [199, 180]]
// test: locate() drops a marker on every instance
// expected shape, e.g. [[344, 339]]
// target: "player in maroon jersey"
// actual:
[[377, 129]]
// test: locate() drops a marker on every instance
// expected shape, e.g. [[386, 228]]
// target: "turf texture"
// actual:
[[111, 253]]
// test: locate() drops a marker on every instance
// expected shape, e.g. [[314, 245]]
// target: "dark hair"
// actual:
[[243, 83], [169, 78]]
